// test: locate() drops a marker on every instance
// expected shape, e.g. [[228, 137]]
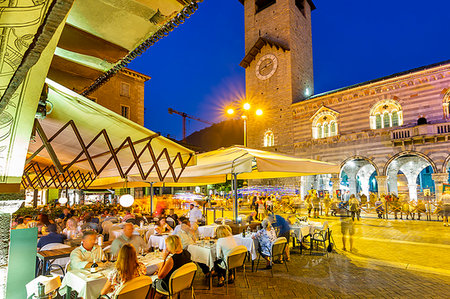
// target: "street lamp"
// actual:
[[244, 115]]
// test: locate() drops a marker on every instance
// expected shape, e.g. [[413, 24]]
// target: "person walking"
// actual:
[[354, 207], [445, 202]]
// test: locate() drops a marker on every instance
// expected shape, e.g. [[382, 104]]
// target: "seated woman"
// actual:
[[266, 236], [174, 258], [225, 244], [127, 267], [163, 227], [72, 231]]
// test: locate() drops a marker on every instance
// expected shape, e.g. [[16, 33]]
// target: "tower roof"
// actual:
[[259, 44]]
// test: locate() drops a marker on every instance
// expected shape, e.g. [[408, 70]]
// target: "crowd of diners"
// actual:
[[183, 231]]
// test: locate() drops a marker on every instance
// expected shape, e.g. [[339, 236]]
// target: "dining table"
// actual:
[[89, 285], [158, 241], [47, 257], [207, 231]]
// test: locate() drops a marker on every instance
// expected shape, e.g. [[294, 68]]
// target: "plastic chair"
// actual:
[[138, 287], [236, 259], [320, 236], [181, 279]]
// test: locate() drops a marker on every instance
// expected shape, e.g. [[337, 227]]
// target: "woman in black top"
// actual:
[[179, 258]]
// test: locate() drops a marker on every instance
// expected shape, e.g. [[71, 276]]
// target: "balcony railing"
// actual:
[[427, 130]]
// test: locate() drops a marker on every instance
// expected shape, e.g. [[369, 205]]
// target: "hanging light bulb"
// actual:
[[126, 200], [62, 200]]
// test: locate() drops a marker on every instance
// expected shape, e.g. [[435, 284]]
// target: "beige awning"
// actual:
[[219, 165], [115, 146]]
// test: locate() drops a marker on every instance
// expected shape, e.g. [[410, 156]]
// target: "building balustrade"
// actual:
[[421, 133]]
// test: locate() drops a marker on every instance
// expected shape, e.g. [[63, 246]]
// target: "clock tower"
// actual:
[[278, 67]]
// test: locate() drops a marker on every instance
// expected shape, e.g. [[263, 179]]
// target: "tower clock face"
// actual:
[[266, 66]]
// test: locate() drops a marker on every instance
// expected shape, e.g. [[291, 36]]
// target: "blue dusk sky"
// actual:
[[196, 68]]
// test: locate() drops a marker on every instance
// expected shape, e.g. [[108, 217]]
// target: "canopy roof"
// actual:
[[217, 166], [81, 136]]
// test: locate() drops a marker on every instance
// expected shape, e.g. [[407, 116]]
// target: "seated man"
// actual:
[[51, 237], [181, 220], [186, 235], [83, 256], [65, 214], [127, 237]]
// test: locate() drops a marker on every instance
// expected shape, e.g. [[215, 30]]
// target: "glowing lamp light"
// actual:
[[259, 112], [246, 106], [62, 200], [230, 111], [126, 200]]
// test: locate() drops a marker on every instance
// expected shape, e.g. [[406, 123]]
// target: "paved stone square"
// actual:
[[393, 259]]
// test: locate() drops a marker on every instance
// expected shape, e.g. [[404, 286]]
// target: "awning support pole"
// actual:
[[152, 192], [235, 203]]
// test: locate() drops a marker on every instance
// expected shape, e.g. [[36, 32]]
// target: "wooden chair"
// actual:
[[181, 279], [236, 259], [138, 287]]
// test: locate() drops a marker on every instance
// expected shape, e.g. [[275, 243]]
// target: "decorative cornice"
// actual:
[[259, 44]]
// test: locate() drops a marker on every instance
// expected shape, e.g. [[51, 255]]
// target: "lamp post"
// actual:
[[244, 111]]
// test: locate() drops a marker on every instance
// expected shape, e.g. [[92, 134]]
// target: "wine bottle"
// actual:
[[94, 267]]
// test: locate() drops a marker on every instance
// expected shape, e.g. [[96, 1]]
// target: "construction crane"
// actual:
[[185, 115]]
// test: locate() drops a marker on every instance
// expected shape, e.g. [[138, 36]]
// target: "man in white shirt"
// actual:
[[195, 214], [186, 235], [83, 256], [128, 237]]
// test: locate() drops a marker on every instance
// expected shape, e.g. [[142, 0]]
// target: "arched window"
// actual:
[[386, 114], [378, 121], [394, 118], [324, 123], [386, 120], [269, 139], [333, 128]]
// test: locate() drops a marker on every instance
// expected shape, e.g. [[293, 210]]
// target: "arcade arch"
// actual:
[[359, 173], [412, 168]]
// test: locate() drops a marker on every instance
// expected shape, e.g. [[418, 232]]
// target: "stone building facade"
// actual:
[[123, 93], [389, 134]]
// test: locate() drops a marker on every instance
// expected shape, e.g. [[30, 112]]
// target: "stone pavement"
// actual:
[[314, 276], [393, 259]]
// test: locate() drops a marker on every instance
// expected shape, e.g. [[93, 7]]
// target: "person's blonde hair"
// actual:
[[223, 231], [127, 262], [173, 243]]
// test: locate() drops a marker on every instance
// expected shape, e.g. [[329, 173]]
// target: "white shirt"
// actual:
[[195, 214], [80, 257], [223, 248]]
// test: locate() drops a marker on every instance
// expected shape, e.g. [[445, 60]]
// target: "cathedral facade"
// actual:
[[391, 134]]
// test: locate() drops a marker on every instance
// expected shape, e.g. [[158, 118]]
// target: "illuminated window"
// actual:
[[378, 121], [124, 89], [125, 111], [386, 114], [269, 139], [324, 123], [445, 105]]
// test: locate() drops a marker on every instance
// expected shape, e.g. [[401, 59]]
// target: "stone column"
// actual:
[[336, 185], [412, 191], [439, 180], [381, 180]]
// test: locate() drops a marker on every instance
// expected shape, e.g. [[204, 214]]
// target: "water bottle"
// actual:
[[142, 224], [100, 240], [41, 290]]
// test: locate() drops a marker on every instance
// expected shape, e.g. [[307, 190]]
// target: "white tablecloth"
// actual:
[[89, 285], [248, 242], [205, 254], [207, 230], [303, 229], [157, 241]]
